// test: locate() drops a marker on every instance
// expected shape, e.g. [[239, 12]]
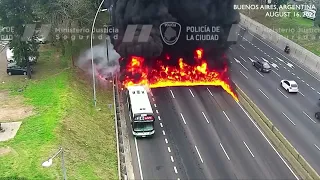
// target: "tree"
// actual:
[[17, 14]]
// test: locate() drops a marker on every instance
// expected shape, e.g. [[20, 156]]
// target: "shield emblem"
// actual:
[[170, 32]]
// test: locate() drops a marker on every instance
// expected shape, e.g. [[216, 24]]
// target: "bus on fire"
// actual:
[[140, 111]]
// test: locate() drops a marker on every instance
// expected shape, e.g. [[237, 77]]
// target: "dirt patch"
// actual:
[[12, 108], [4, 151]]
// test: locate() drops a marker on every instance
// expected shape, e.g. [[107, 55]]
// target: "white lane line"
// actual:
[[308, 84], [265, 53], [318, 92], [159, 118], [284, 67], [166, 140], [244, 67], [288, 70], [184, 121], [226, 116], [302, 80], [163, 132], [243, 59], [268, 141], [224, 151], [276, 73], [256, 57], [161, 125], [312, 88], [209, 91], [157, 111], [282, 93], [172, 160], [175, 169], [309, 117], [244, 75], [230, 48], [288, 118], [199, 154], [191, 93], [293, 74], [317, 147], [138, 157], [248, 149], [155, 105], [259, 73], [263, 93], [169, 150], [298, 77], [205, 117], [242, 46], [172, 94], [301, 93]]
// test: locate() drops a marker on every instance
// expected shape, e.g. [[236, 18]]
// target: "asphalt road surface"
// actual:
[[292, 114], [202, 133]]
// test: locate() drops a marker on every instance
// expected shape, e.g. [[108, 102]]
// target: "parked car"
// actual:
[[14, 69]]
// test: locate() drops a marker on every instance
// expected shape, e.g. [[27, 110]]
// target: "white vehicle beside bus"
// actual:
[[140, 111]]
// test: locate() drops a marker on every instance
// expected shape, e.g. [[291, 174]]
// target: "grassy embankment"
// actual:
[[305, 40], [65, 116]]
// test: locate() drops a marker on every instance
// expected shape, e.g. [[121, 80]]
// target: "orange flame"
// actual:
[[184, 75]]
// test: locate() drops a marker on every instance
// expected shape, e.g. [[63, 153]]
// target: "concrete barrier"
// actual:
[[299, 165], [298, 53]]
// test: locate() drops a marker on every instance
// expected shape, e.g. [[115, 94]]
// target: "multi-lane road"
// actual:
[[292, 114], [202, 133]]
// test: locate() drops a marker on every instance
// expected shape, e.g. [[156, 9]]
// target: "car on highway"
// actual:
[[290, 86], [13, 69], [262, 66]]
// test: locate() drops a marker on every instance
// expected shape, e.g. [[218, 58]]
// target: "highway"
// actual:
[[202, 133], [292, 114]]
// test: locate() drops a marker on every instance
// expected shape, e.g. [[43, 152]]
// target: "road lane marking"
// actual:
[[199, 154], [175, 169], [243, 59], [161, 125], [191, 92], [166, 140], [255, 124], [309, 117], [172, 94], [230, 48], [184, 121], [226, 116], [288, 118], [244, 74], [259, 73], [312, 88], [224, 151], [172, 160], [263, 93], [318, 92], [205, 117], [302, 80], [307, 84], [248, 149], [284, 67], [293, 74], [159, 118], [157, 111], [288, 70], [276, 73], [209, 91], [317, 147], [301, 93], [298, 77], [163, 132], [138, 157], [155, 105], [282, 93], [169, 150], [256, 57], [242, 46]]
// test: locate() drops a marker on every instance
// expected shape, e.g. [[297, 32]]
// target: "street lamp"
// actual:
[[92, 64], [49, 162]]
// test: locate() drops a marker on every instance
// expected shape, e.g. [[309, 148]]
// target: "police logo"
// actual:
[[170, 32]]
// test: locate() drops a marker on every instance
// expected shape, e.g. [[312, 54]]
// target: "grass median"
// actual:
[[64, 116]]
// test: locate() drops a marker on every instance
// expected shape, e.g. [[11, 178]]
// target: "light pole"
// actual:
[[49, 162], [92, 63]]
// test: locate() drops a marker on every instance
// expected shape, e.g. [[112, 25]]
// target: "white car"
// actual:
[[290, 86]]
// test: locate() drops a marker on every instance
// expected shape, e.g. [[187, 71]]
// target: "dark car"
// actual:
[[16, 70], [262, 66]]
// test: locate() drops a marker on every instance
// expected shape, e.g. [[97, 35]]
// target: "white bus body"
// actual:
[[140, 111]]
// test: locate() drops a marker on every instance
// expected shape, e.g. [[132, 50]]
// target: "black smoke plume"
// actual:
[[185, 12]]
